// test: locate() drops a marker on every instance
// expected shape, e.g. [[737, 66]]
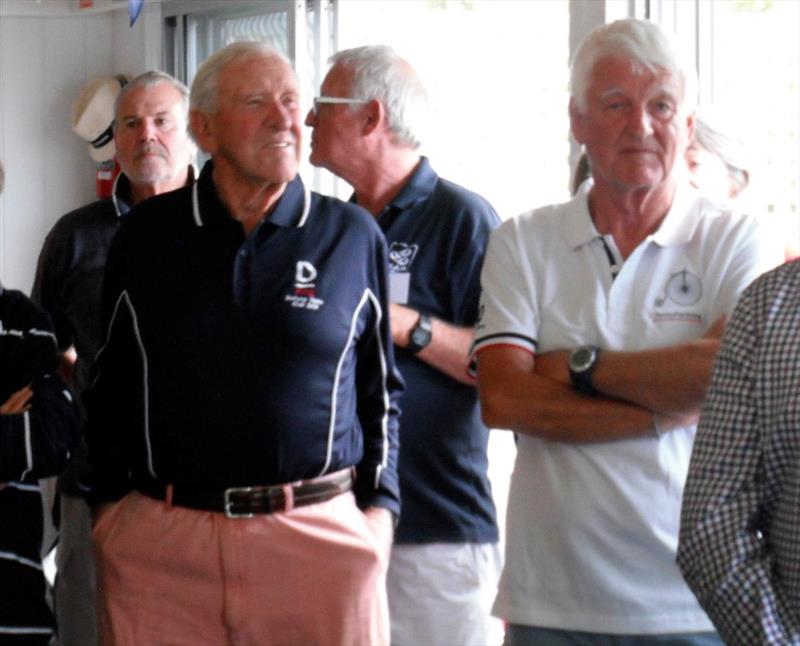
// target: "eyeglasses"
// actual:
[[318, 100]]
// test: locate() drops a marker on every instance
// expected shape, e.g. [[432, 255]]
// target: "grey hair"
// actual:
[[730, 150], [151, 79], [644, 42], [204, 93], [380, 73]]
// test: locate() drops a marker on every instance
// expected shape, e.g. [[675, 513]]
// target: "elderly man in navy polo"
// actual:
[[445, 561], [243, 424]]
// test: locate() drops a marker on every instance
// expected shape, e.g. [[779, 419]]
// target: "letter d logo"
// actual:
[[305, 272]]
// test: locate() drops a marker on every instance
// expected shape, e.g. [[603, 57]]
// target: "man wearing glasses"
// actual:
[[443, 569]]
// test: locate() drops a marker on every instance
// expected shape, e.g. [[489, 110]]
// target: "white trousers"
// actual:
[[75, 576], [442, 593]]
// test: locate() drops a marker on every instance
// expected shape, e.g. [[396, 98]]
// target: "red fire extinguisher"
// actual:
[[107, 172]]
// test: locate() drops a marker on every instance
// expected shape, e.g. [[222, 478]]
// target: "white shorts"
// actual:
[[442, 593]]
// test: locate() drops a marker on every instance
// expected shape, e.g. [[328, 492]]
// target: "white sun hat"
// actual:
[[93, 115]]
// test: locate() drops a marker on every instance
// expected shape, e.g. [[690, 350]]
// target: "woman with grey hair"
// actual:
[[716, 161]]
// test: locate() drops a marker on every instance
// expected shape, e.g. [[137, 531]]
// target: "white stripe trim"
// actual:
[[108, 332], [199, 221], [196, 206], [145, 390], [502, 339], [22, 486], [20, 334], [306, 207], [10, 556], [384, 376], [114, 195], [46, 333], [336, 376], [146, 403], [14, 630], [26, 420]]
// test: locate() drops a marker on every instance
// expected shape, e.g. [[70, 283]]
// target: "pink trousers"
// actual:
[[170, 575]]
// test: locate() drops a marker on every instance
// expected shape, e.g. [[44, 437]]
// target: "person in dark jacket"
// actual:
[[155, 155], [38, 427]]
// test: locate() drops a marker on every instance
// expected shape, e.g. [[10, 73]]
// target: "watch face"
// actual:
[[421, 334], [582, 358], [421, 337]]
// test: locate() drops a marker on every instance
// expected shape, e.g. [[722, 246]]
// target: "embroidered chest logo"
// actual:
[[305, 291], [401, 255], [682, 289]]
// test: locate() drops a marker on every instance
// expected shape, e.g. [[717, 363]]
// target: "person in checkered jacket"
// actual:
[[739, 546]]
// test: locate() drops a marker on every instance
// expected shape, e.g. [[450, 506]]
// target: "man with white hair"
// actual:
[[243, 424], [445, 559], [601, 320], [155, 154]]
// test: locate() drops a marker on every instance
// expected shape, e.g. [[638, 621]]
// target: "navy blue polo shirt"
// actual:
[[437, 234], [238, 360]]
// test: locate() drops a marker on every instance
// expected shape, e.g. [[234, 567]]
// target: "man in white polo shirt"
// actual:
[[600, 321]]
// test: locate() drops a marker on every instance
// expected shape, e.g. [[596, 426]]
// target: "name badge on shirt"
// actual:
[[398, 287]]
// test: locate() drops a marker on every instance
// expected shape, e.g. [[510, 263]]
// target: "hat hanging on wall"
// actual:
[[93, 115]]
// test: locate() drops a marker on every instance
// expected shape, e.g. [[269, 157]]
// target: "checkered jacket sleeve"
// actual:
[[740, 536]]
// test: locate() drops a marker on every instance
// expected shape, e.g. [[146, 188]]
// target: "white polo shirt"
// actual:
[[593, 528]]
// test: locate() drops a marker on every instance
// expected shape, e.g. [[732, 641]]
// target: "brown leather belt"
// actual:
[[246, 502]]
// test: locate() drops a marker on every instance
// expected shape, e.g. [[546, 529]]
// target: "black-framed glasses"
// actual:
[[318, 100]]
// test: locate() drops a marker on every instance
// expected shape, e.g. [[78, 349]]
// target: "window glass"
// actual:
[[210, 31], [497, 75], [752, 52]]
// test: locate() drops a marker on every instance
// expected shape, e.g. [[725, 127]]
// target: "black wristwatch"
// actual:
[[582, 363], [421, 334]]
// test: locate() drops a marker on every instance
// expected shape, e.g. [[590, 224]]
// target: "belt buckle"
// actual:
[[229, 503]]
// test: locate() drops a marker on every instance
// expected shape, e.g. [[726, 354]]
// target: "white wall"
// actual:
[[48, 50]]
